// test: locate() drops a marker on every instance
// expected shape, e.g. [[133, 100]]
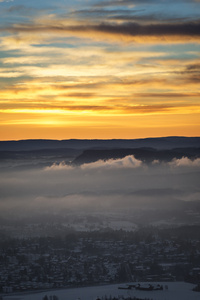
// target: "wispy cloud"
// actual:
[[136, 2], [164, 32]]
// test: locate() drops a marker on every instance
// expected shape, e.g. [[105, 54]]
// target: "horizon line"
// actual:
[[100, 139]]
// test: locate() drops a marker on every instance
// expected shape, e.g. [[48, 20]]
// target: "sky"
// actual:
[[99, 69]]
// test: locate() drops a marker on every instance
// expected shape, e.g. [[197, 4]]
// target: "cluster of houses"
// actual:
[[83, 258]]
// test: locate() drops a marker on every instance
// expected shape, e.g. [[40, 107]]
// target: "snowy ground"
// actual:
[[176, 291]]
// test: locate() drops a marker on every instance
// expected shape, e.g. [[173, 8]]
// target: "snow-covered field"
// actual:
[[175, 291]]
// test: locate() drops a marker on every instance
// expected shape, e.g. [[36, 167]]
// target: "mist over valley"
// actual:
[[138, 185]]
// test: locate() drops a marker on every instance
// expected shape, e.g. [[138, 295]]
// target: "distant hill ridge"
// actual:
[[156, 143], [144, 154]]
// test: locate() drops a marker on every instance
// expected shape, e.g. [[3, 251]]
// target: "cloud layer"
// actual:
[[106, 186]]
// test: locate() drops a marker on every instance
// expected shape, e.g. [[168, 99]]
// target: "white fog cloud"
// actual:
[[185, 162], [127, 162], [122, 163], [57, 167]]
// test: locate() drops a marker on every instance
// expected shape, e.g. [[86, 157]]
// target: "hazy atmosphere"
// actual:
[[109, 185], [92, 178]]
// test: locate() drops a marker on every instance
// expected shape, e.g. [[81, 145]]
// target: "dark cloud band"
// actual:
[[126, 29]]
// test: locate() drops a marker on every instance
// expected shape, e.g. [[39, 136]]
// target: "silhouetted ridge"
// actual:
[[143, 154], [41, 153], [157, 143]]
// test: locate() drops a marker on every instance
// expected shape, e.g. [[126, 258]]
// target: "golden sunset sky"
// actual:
[[99, 69]]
